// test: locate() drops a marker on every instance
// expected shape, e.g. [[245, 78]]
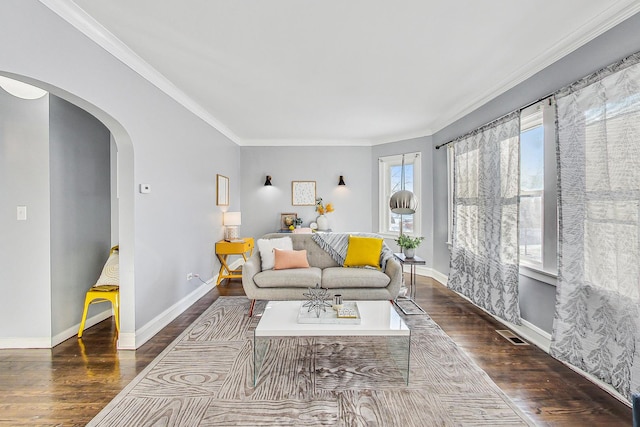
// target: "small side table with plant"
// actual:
[[407, 303]]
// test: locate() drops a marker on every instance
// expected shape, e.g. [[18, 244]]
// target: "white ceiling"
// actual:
[[357, 72]]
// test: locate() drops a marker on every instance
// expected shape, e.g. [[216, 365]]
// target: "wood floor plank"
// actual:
[[71, 383]]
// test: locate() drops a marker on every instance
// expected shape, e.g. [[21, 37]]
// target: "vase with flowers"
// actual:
[[322, 209]]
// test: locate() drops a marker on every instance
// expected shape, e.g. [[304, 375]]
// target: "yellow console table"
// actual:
[[236, 247]]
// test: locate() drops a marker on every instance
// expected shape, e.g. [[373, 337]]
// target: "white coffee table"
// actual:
[[378, 318]]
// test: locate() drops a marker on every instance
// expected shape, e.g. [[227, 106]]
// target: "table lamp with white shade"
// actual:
[[231, 220]]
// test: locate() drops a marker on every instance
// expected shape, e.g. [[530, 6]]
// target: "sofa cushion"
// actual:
[[290, 259], [363, 251], [316, 256], [293, 278], [340, 277], [266, 246]]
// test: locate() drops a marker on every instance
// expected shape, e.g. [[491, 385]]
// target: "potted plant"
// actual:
[[409, 244]]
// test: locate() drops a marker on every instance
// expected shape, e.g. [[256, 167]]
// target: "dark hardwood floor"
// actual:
[[71, 383]]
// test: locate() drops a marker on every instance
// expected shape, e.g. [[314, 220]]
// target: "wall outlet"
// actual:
[[189, 276]]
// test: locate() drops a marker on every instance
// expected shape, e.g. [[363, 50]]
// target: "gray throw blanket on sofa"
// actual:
[[336, 244]]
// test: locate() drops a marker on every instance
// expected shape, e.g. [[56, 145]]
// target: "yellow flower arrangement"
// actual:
[[321, 208]]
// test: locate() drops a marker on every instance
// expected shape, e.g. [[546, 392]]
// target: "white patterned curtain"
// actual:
[[596, 325], [484, 259]]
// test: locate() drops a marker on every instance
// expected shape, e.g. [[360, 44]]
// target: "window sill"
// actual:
[[539, 274], [388, 235]]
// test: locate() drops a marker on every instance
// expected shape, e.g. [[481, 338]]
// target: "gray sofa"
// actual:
[[351, 283]]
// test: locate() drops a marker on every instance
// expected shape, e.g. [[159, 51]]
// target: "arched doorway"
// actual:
[[125, 213]]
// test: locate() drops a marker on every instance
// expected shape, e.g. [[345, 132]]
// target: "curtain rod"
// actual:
[[518, 109]]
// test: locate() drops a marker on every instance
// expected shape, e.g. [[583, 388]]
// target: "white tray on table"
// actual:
[[330, 316]]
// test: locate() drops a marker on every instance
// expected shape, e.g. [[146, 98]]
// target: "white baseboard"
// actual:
[[19, 342], [542, 340], [155, 325], [428, 272], [129, 341], [530, 332], [606, 387], [49, 342], [126, 341], [440, 277], [73, 330], [146, 332]]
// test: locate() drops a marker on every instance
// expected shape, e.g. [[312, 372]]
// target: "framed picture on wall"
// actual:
[[303, 193], [222, 190], [287, 219]]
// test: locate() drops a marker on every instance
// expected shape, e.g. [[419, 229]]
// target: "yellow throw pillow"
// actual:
[[363, 251]]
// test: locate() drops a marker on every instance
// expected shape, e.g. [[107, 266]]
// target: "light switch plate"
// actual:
[[21, 213]]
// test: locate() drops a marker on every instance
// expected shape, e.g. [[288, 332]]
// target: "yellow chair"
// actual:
[[106, 289]]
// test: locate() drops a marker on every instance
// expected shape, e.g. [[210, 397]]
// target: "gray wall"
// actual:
[[169, 232], [425, 200], [441, 252], [537, 300], [172, 230], [79, 155], [25, 309], [356, 204], [262, 206]]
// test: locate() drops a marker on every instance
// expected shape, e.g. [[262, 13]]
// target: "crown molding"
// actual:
[[598, 25], [79, 19], [428, 132], [293, 142], [87, 25]]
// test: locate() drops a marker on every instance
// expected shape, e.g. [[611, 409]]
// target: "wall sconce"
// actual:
[[268, 181], [341, 182], [231, 220]]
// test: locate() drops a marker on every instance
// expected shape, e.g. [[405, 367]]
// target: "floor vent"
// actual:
[[513, 338]]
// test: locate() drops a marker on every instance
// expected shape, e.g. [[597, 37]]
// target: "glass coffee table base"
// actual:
[[379, 321], [398, 351], [408, 306]]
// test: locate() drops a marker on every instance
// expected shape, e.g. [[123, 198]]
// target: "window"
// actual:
[[390, 181], [538, 205], [531, 188]]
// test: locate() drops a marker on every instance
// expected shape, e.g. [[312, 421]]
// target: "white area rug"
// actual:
[[205, 378]]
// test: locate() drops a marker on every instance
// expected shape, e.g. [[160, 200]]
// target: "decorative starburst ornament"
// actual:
[[317, 299]]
